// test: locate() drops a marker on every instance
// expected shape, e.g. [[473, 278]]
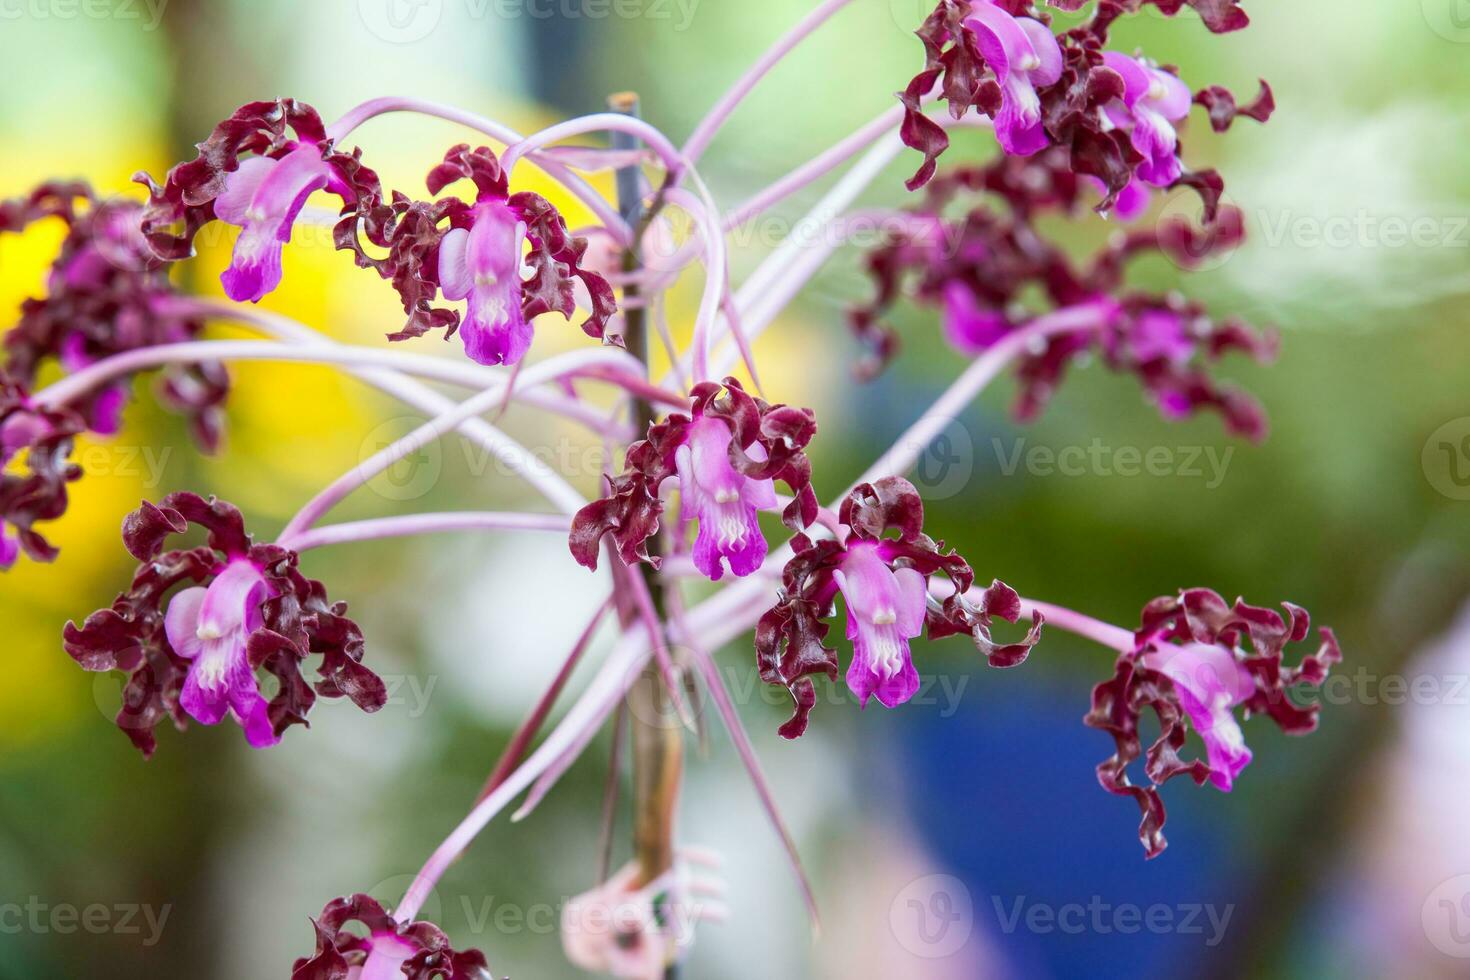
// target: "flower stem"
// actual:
[[984, 369], [705, 132], [1106, 634], [412, 525], [657, 739]]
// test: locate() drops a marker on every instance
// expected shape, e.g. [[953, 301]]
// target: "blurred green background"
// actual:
[[1334, 852]]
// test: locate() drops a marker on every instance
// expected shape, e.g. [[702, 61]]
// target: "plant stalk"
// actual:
[[657, 738]]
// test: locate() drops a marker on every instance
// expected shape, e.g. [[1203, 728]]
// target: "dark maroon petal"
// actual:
[[36, 491], [891, 503], [1220, 103]]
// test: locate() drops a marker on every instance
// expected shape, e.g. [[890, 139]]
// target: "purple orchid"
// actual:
[[1210, 683], [1191, 666], [263, 199], [245, 608], [721, 499], [727, 454], [995, 270], [255, 171], [211, 627], [885, 609], [107, 293], [968, 326], [885, 583], [36, 490], [1130, 202], [482, 264], [1113, 114], [389, 951], [1024, 55], [1153, 101], [510, 256]]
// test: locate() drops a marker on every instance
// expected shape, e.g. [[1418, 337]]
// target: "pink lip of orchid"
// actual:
[[386, 956], [482, 264], [1024, 55], [9, 547], [1153, 100], [210, 627], [885, 609], [722, 500], [1211, 683], [263, 198]]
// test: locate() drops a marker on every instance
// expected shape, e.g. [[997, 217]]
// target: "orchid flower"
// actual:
[[1024, 56], [633, 931], [509, 256], [389, 951], [984, 270], [36, 491], [195, 654], [107, 293], [1189, 663], [1040, 87], [1153, 101], [885, 583], [726, 456], [263, 199], [211, 628]]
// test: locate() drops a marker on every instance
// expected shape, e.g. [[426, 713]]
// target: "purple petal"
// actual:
[[455, 281], [205, 697], [1046, 50], [1154, 137], [968, 327], [1018, 124], [255, 269], [495, 331], [233, 206], [1168, 95], [181, 622], [1135, 77], [1004, 45], [9, 547], [253, 713]]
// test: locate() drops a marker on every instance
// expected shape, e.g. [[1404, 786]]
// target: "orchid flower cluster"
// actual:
[[204, 631]]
